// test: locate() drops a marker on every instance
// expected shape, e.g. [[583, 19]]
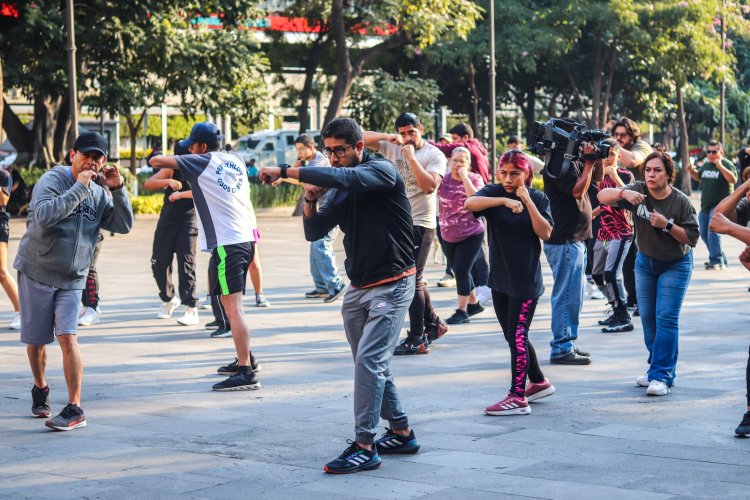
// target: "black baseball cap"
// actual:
[[202, 133], [90, 141]]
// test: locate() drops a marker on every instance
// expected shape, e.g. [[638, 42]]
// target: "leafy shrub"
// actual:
[[537, 182], [267, 196], [148, 204]]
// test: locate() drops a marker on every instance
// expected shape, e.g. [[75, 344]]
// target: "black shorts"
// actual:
[[227, 271], [4, 226]]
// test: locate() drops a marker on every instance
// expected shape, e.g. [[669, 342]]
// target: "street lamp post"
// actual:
[[492, 91], [71, 49]]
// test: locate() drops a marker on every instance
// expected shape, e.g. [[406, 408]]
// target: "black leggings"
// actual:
[[628, 274], [515, 318], [462, 256], [747, 379], [420, 310], [480, 271]]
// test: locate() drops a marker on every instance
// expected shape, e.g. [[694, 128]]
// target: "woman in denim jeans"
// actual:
[[666, 232]]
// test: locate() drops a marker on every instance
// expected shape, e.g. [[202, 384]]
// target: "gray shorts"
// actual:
[[46, 311]]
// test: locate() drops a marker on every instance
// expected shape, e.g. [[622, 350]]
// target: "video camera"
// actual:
[[561, 142]]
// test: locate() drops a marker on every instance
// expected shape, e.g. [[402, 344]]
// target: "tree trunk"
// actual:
[[684, 144], [134, 126], [311, 67], [608, 91], [474, 97], [60, 134], [529, 108], [45, 110], [18, 135], [343, 62]]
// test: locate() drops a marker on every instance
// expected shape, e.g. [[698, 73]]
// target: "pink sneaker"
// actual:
[[539, 390], [511, 405]]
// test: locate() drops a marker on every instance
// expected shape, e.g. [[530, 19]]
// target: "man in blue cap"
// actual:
[[221, 194], [68, 208]]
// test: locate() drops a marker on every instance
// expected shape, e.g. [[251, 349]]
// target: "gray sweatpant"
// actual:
[[372, 319]]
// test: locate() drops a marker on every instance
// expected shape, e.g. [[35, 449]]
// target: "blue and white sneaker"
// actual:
[[392, 443], [354, 459]]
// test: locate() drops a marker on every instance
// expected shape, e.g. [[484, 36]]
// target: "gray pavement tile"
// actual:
[[692, 487], [468, 460], [45, 485], [368, 485]]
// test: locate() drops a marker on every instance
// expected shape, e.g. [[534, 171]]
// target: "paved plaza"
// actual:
[[156, 430]]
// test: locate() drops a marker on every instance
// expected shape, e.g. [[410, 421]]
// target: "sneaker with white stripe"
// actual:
[[511, 405], [354, 459], [392, 443]]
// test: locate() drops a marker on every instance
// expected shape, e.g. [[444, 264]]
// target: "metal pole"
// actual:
[[723, 80], [71, 49], [492, 116]]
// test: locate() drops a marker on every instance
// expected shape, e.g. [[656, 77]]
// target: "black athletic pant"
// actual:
[[420, 310], [170, 240], [448, 263], [463, 254], [628, 274], [515, 317], [90, 295], [747, 379]]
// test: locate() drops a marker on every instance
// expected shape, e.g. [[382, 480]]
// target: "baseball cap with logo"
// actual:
[[90, 141], [202, 132]]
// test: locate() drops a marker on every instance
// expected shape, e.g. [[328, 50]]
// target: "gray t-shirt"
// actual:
[[423, 211]]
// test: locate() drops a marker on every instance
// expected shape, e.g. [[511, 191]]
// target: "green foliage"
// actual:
[[267, 196], [538, 182], [147, 204], [31, 174], [377, 102]]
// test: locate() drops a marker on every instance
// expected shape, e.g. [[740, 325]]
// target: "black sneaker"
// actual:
[[412, 346], [71, 417], [317, 294], [238, 382], [335, 295], [608, 321], [40, 402], [392, 443], [233, 367], [572, 358], [212, 325], [458, 318], [435, 330], [221, 333], [621, 323], [743, 429], [474, 309], [354, 459]]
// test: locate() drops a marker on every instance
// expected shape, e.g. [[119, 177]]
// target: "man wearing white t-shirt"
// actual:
[[422, 167], [221, 194]]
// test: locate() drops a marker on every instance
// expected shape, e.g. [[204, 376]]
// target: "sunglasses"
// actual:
[[712, 151]]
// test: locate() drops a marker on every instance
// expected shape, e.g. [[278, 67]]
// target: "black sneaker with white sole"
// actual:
[[743, 430], [238, 382], [40, 402], [233, 367], [619, 325]]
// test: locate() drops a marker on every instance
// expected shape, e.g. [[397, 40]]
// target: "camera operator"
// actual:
[[566, 253]]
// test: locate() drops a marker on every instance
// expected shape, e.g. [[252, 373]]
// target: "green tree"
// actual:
[[399, 22], [377, 103]]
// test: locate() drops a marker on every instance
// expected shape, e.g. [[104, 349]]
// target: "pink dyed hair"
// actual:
[[518, 159]]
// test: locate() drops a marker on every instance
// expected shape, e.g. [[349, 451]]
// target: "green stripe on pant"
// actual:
[[222, 270]]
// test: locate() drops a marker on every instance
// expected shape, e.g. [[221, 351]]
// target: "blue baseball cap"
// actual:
[[202, 132]]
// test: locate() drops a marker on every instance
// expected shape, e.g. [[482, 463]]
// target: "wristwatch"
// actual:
[[669, 226], [283, 168]]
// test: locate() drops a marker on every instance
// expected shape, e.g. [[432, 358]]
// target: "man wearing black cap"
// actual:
[[221, 194], [66, 212]]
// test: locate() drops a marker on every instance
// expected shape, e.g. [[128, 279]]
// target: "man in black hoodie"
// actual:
[[368, 201]]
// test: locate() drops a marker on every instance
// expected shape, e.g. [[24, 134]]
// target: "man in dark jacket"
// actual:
[[368, 201], [67, 210]]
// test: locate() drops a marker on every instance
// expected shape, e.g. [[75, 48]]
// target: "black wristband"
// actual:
[[283, 168], [310, 202]]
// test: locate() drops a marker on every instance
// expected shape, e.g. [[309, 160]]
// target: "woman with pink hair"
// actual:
[[517, 216]]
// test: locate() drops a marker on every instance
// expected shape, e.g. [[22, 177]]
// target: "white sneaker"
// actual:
[[592, 291], [90, 317], [167, 308], [449, 281], [15, 323], [642, 381], [657, 388], [206, 304], [190, 317], [484, 294]]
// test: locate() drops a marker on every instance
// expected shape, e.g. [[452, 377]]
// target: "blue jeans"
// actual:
[[323, 268], [661, 286], [711, 239], [568, 263]]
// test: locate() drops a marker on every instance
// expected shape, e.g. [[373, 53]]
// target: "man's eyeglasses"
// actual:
[[712, 151], [617, 135], [339, 151]]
